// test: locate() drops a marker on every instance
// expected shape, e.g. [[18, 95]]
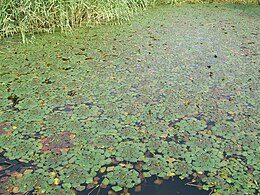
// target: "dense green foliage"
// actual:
[[21, 16]]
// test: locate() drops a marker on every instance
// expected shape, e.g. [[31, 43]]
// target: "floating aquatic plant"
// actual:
[[123, 177], [130, 151], [160, 99]]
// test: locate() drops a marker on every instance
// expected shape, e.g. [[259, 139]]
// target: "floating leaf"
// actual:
[[69, 119], [205, 187], [171, 174], [15, 190], [105, 181], [56, 181], [103, 169], [117, 188], [80, 188], [110, 168]]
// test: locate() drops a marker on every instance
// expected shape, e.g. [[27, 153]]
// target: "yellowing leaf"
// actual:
[[224, 176], [232, 113], [27, 171], [170, 160], [52, 174], [19, 175], [171, 174], [40, 146], [102, 169], [111, 149], [64, 149], [15, 190], [110, 168], [164, 135], [72, 135], [22, 160], [142, 131], [181, 177], [123, 165], [56, 181]]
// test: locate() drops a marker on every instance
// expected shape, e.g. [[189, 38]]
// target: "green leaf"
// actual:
[[229, 180], [205, 187], [117, 188], [223, 163], [105, 181], [147, 174], [66, 185], [89, 180]]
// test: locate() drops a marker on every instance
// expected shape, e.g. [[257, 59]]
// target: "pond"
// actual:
[[172, 94]]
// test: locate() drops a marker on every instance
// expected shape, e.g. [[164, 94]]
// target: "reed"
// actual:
[[30, 16]]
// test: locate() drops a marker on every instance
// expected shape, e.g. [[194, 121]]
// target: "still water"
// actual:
[[174, 186]]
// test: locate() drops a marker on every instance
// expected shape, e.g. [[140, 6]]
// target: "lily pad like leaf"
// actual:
[[105, 181], [117, 188]]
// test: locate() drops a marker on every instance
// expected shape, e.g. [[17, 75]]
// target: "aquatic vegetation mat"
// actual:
[[172, 94]]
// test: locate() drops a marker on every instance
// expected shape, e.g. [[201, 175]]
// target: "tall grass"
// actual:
[[29, 16], [22, 16]]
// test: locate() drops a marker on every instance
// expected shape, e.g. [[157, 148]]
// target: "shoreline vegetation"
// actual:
[[27, 16]]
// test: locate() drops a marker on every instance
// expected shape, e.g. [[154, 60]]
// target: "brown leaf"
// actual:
[[158, 181], [138, 188]]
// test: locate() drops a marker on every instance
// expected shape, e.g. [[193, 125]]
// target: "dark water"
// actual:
[[174, 186]]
